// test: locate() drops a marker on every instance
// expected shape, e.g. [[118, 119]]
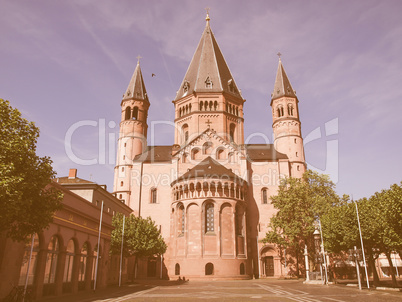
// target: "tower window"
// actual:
[[186, 86], [184, 130], [201, 104], [181, 219], [290, 109], [120, 196], [208, 83], [209, 218], [297, 154], [295, 141], [127, 113], [215, 105], [232, 132], [153, 195], [280, 111], [135, 113], [264, 197], [121, 183]]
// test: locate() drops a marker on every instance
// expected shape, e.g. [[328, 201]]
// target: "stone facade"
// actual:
[[209, 192]]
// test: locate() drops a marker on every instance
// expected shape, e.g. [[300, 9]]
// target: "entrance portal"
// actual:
[[269, 266]]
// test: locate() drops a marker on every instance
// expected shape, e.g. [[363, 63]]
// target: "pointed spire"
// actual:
[[282, 85], [208, 71], [136, 87]]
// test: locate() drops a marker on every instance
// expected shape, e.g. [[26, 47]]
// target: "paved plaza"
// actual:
[[248, 290]]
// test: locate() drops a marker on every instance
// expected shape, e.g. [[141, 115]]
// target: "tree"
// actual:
[[27, 201], [141, 237], [299, 203]]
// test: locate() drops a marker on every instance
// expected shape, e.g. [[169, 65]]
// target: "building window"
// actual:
[[184, 131], [68, 266], [177, 269], [208, 83], [209, 269], [290, 109], [232, 132], [242, 269], [127, 113], [239, 220], [83, 265], [51, 261], [206, 148], [181, 219], [280, 111], [135, 113], [25, 261], [153, 195], [264, 193], [195, 154], [121, 183], [219, 153], [209, 218]]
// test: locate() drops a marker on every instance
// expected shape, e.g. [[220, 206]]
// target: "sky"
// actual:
[[66, 64]]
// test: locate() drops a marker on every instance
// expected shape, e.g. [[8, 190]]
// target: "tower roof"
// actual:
[[208, 71], [282, 84], [136, 87]]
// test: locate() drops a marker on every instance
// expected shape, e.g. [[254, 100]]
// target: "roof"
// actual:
[[155, 154], [208, 64], [75, 180], [209, 168], [136, 87], [263, 152], [282, 85]]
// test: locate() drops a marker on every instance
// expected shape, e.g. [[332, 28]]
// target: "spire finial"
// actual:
[[279, 55], [138, 58], [207, 18]]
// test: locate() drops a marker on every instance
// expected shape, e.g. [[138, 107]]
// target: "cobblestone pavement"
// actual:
[[249, 290]]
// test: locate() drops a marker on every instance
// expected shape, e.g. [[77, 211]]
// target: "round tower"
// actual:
[[133, 133], [286, 123]]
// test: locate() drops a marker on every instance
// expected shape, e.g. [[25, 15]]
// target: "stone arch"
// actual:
[[195, 153], [193, 228], [220, 153], [227, 238], [206, 148], [38, 242], [267, 255]]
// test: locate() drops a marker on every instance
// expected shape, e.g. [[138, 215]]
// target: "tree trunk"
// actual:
[[297, 263], [391, 266], [371, 263]]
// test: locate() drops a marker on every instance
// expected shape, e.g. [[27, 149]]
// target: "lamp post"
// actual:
[[318, 258]]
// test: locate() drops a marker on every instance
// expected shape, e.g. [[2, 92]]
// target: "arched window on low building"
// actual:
[[68, 266], [25, 261], [82, 271], [206, 148], [51, 266], [177, 269]]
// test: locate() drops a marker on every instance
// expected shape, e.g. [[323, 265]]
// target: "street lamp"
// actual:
[[318, 258]]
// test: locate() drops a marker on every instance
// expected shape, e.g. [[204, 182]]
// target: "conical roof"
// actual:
[[136, 87], [282, 84], [208, 71]]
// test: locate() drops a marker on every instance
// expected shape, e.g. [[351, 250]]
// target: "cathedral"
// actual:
[[209, 192]]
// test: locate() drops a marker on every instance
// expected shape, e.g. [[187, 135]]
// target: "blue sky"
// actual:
[[69, 62]]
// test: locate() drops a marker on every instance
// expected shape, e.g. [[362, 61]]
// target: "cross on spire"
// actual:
[[207, 18], [208, 122], [279, 55], [138, 58]]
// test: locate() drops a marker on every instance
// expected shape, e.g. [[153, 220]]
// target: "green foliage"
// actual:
[[141, 237], [299, 202], [27, 202]]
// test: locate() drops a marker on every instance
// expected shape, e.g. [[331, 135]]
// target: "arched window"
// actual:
[[177, 269], [153, 195], [280, 111], [206, 148], [83, 266], [219, 153], [239, 220], [51, 262], [264, 195], [232, 132], [209, 269], [184, 158], [25, 261], [215, 105], [237, 111], [128, 113], [184, 131], [290, 109], [201, 104], [68, 266], [195, 153], [210, 105], [179, 112], [135, 113], [209, 218], [181, 220]]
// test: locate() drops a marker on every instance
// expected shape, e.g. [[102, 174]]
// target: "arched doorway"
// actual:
[[151, 269], [267, 256], [51, 266], [27, 262]]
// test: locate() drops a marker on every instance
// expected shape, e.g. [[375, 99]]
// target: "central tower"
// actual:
[[208, 96]]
